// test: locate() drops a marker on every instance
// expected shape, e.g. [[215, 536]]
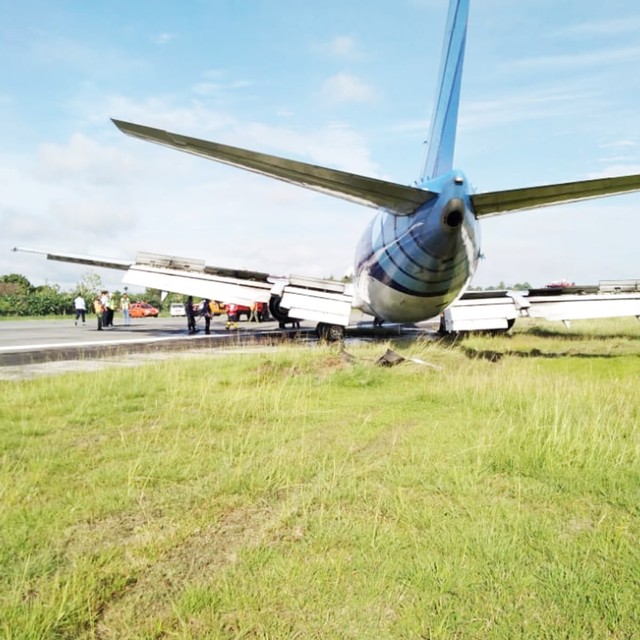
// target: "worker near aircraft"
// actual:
[[191, 316], [232, 316], [206, 314]]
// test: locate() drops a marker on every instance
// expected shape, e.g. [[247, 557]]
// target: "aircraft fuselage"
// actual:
[[409, 268]]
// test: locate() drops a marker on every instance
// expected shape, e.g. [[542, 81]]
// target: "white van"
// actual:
[[176, 309]]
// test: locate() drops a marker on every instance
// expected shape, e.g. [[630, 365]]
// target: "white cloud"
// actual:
[[616, 168], [577, 242], [344, 87], [206, 88], [589, 59], [339, 47], [162, 112], [87, 59], [337, 145], [209, 88], [82, 159], [163, 38], [611, 27], [116, 196], [334, 145], [522, 105], [621, 144]]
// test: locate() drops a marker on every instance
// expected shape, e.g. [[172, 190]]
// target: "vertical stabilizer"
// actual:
[[442, 137]]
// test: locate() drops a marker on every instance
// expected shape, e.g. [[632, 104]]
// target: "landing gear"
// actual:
[[278, 312], [330, 332], [281, 314]]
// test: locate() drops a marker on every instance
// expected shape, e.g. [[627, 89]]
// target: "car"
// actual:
[[176, 309], [217, 308], [262, 311], [243, 310], [143, 310]]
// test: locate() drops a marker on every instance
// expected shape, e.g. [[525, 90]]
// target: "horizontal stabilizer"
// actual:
[[396, 198], [499, 202]]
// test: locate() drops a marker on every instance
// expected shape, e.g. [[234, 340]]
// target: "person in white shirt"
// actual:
[[81, 308]]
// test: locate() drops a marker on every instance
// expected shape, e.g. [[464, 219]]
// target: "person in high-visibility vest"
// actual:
[[232, 316], [97, 307]]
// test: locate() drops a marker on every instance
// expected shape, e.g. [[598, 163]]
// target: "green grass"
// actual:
[[293, 495]]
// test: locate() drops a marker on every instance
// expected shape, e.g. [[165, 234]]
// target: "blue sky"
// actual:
[[551, 93]]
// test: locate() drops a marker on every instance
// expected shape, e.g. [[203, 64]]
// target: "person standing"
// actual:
[[191, 316], [97, 307], [124, 305], [206, 314], [111, 308], [104, 301], [232, 316], [80, 307]]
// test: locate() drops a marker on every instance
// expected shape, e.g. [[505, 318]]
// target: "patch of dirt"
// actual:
[[201, 554]]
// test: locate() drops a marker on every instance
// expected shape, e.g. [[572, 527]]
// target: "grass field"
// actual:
[[292, 494]]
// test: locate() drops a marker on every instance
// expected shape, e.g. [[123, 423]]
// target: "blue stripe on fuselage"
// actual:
[[420, 255]]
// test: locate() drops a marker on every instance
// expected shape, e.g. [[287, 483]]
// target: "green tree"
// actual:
[[153, 297], [89, 286], [19, 282], [14, 305], [14, 292], [49, 300]]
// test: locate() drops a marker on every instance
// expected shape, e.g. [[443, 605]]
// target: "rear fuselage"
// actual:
[[409, 268]]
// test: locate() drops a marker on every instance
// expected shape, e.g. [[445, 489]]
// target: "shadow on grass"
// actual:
[[542, 332], [495, 356]]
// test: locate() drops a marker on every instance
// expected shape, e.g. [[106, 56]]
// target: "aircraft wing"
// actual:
[[303, 298], [155, 260], [499, 202], [76, 258], [499, 310], [396, 198]]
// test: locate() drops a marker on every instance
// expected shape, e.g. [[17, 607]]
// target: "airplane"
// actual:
[[417, 256]]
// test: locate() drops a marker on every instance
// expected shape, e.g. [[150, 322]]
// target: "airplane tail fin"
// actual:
[[444, 119]]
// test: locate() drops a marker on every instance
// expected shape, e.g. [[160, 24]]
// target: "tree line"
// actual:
[[18, 297], [501, 286]]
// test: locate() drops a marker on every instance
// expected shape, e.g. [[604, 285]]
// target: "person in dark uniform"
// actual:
[[206, 314], [191, 316]]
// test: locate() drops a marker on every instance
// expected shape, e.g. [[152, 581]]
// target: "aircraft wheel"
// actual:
[[330, 332]]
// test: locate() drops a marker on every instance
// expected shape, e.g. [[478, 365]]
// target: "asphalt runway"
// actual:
[[33, 347], [28, 341]]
